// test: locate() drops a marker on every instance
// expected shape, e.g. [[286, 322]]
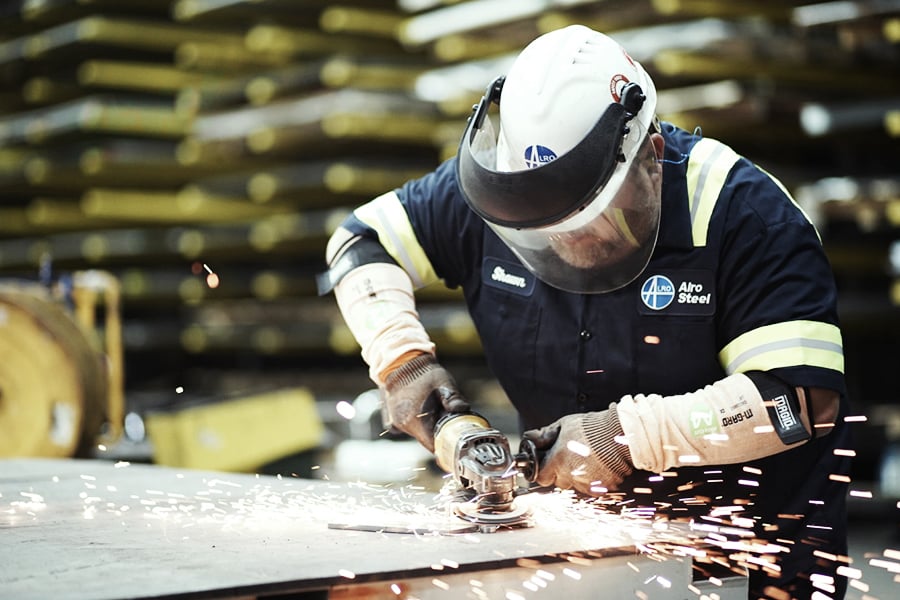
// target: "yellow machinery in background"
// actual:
[[61, 374], [62, 388], [241, 434]]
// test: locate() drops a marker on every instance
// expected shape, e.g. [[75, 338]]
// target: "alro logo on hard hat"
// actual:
[[616, 84], [537, 155]]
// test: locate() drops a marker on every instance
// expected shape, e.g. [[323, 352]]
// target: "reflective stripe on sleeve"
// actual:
[[789, 344], [388, 218], [708, 168]]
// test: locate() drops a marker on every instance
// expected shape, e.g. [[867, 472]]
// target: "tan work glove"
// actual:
[[417, 393], [582, 453]]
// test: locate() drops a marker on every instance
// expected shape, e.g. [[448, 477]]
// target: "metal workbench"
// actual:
[[98, 530]]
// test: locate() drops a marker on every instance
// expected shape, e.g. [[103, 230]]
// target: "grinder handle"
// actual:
[[528, 460]]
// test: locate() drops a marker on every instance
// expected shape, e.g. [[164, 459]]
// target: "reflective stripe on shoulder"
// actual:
[[708, 167], [388, 218], [789, 344]]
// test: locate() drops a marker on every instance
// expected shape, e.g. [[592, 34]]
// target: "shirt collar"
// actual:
[[675, 214]]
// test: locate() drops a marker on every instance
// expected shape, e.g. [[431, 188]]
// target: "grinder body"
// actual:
[[481, 462]]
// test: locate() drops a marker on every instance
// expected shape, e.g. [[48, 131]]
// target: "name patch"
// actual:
[[507, 276]]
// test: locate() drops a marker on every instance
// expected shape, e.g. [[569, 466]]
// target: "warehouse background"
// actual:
[[171, 170]]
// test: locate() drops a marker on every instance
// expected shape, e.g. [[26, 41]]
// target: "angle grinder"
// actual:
[[483, 466]]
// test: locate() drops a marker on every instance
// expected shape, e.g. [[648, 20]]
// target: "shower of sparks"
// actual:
[[31, 504], [889, 566], [578, 448], [440, 584], [212, 279], [726, 536], [345, 409]]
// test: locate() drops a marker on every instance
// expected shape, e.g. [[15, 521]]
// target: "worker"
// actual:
[[658, 310]]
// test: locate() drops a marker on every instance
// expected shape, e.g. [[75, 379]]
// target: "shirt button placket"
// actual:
[[582, 398]]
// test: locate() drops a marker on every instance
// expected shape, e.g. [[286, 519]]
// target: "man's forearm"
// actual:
[[730, 421]]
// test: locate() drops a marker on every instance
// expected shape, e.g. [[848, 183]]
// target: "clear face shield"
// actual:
[[583, 222]]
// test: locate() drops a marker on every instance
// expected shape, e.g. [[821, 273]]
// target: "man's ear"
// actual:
[[659, 144]]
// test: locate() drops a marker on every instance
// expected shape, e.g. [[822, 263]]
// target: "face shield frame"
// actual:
[[584, 222], [551, 192]]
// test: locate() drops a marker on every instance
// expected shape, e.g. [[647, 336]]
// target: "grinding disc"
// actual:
[[52, 381], [516, 516]]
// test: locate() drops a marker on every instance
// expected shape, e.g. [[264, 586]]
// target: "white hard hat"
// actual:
[[557, 89], [575, 111]]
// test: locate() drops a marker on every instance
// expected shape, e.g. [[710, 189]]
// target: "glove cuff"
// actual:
[[604, 433], [409, 371]]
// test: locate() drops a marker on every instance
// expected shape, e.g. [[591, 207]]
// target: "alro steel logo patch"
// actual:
[[687, 292], [657, 292]]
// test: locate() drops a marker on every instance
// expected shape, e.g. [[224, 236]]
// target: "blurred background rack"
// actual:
[[200, 152]]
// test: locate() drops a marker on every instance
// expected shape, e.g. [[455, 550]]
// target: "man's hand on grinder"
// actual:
[[417, 393], [584, 452]]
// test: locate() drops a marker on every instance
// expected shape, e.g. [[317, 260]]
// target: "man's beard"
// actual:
[[602, 244]]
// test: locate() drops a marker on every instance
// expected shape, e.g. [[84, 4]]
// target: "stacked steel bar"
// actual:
[[203, 150], [172, 141]]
